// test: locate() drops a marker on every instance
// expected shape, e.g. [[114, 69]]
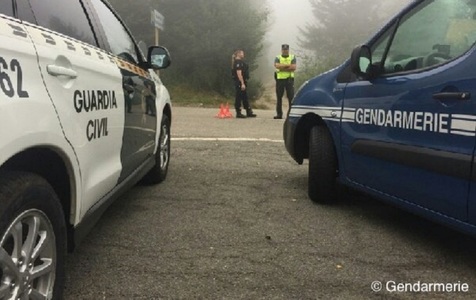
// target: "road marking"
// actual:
[[227, 139]]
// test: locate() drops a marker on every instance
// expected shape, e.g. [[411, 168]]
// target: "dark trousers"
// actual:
[[281, 86], [241, 97]]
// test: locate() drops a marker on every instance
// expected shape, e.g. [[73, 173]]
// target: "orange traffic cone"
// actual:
[[227, 111], [221, 114]]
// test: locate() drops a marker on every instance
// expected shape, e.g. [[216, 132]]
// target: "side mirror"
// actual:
[[158, 57], [361, 61]]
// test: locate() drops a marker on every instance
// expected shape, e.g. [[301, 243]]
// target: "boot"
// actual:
[[239, 115], [250, 114]]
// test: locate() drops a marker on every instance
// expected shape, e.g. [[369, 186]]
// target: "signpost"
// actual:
[[157, 19]]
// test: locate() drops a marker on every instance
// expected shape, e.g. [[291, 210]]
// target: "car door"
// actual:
[[409, 132], [25, 109], [85, 86], [140, 90]]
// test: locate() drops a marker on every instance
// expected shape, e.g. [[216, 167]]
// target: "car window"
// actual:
[[6, 7], [119, 40], [58, 16], [433, 33], [24, 11]]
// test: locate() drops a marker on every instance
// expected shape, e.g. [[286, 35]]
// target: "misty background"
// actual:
[[201, 36]]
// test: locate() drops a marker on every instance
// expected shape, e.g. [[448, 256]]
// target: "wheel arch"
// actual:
[[54, 167], [303, 130], [167, 110]]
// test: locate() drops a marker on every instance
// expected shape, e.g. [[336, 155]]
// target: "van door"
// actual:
[[411, 130]]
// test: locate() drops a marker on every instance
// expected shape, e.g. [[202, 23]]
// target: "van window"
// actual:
[[119, 40], [431, 34], [380, 46], [58, 16]]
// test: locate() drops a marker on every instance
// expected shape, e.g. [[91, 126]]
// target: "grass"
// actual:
[[182, 96], [188, 97]]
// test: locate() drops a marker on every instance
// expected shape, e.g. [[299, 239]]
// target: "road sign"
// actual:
[[157, 19]]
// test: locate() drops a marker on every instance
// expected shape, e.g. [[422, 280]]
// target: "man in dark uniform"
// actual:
[[285, 65], [241, 75]]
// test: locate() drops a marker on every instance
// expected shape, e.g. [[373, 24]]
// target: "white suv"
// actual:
[[83, 117]]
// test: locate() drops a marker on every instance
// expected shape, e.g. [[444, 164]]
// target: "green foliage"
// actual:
[[332, 37], [201, 36], [137, 19], [184, 95], [342, 24]]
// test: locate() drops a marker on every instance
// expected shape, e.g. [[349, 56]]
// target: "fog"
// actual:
[[286, 17], [285, 21]]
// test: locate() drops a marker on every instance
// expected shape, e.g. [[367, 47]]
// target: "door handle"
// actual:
[[452, 96], [61, 71]]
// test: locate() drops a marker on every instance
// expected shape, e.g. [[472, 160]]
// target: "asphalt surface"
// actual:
[[233, 221]]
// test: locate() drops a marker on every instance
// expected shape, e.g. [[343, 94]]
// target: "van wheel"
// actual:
[[322, 166], [32, 238], [162, 157]]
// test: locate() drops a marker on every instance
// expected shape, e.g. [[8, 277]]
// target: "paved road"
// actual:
[[233, 221]]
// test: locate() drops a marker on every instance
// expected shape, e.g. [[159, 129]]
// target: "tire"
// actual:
[[32, 238], [159, 172], [322, 166]]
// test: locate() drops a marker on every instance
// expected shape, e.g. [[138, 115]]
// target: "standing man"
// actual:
[[240, 73], [285, 65]]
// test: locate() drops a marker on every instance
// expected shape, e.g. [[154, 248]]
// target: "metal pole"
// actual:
[[156, 36]]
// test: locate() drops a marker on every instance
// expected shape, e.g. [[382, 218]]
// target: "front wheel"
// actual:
[[322, 166], [32, 238], [162, 157]]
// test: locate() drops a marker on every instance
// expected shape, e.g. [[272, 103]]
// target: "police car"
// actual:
[[398, 119], [83, 117]]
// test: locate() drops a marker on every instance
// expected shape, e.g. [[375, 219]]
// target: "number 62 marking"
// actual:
[[6, 83]]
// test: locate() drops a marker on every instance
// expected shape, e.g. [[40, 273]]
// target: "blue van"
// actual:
[[398, 119]]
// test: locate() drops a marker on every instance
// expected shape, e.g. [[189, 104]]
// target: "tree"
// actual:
[[201, 36], [137, 19], [340, 25]]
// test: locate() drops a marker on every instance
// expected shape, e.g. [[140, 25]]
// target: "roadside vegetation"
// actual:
[[201, 36], [186, 95]]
